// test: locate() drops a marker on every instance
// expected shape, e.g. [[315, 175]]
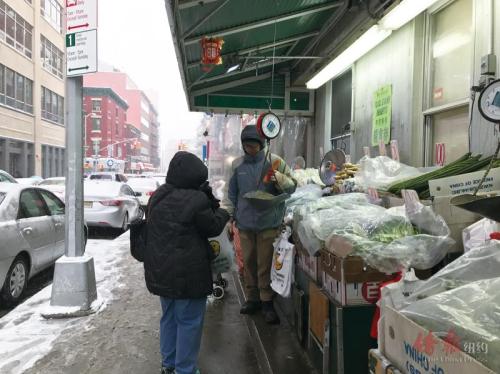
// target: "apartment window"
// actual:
[[52, 12], [96, 124], [96, 105], [52, 106], [15, 31], [16, 91], [52, 57]]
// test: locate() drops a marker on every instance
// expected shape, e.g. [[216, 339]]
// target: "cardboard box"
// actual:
[[465, 183], [309, 265], [364, 293], [319, 312], [457, 219], [379, 364], [407, 348]]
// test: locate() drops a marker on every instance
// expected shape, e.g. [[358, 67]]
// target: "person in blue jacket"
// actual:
[[258, 222]]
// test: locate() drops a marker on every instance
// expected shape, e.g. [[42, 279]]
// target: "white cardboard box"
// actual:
[[465, 183], [402, 349], [350, 293], [309, 264]]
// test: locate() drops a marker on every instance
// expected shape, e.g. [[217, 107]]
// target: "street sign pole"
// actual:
[[74, 173], [74, 291]]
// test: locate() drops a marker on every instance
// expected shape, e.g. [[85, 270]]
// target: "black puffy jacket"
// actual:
[[181, 218]]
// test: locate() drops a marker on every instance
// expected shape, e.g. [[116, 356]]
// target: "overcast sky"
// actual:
[[135, 37]]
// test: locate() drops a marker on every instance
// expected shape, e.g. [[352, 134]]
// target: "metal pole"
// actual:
[[74, 282], [74, 173]]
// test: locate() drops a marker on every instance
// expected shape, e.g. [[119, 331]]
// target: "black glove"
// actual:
[[205, 187]]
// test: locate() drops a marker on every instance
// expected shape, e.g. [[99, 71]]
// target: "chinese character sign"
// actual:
[[382, 114]]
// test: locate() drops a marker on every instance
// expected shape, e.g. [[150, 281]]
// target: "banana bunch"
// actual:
[[347, 172]]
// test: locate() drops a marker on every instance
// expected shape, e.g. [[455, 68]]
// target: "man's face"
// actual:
[[251, 148]]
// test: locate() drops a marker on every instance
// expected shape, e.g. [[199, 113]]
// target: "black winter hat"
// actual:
[[250, 134], [186, 171]]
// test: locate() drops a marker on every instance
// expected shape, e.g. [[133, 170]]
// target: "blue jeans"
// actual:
[[181, 327]]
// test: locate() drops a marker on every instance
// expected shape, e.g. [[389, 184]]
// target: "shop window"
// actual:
[[451, 53]]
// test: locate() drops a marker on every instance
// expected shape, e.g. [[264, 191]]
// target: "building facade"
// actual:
[[141, 113], [105, 124], [32, 133]]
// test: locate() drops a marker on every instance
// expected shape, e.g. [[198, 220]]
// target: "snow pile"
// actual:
[[25, 336]]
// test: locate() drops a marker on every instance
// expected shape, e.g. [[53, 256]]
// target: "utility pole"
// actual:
[[74, 291]]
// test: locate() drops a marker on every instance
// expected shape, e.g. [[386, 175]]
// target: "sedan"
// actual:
[[56, 185], [32, 227], [143, 188], [6, 177], [110, 204]]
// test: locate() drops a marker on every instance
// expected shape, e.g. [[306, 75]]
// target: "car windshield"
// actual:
[[107, 177], [52, 182], [2, 196], [142, 183]]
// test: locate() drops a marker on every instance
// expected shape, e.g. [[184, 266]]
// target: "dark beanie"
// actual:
[[250, 134], [186, 171]]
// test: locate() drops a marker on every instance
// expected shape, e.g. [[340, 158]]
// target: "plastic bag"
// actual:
[[302, 195], [381, 171], [282, 270], [224, 254], [477, 264], [478, 233], [470, 314]]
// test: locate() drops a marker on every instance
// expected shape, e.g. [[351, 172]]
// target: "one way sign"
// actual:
[[81, 15], [81, 37]]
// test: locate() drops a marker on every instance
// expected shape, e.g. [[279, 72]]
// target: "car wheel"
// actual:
[[15, 281], [125, 223]]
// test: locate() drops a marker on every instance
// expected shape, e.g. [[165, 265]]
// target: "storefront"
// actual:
[[390, 132]]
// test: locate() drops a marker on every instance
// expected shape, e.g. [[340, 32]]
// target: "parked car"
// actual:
[[108, 176], [56, 185], [110, 204], [30, 181], [6, 177], [33, 228], [143, 188], [160, 178]]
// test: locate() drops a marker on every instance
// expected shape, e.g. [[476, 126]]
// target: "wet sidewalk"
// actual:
[[124, 336]]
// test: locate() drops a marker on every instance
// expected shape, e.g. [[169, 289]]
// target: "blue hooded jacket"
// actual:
[[249, 175]]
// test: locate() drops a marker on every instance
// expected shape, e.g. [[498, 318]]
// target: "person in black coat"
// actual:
[[182, 215]]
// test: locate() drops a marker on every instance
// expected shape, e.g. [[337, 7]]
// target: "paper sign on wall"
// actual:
[[382, 115]]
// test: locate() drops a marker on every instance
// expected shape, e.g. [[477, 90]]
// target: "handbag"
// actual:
[[138, 237]]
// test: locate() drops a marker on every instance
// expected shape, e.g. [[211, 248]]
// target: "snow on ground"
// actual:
[[25, 336]]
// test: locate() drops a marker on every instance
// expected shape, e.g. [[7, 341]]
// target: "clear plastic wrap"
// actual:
[[478, 264], [381, 171], [302, 195], [469, 314], [477, 234]]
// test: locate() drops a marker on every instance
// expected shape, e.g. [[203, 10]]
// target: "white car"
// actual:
[[56, 185], [144, 188], [31, 181], [160, 178], [110, 204], [32, 236], [6, 177]]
